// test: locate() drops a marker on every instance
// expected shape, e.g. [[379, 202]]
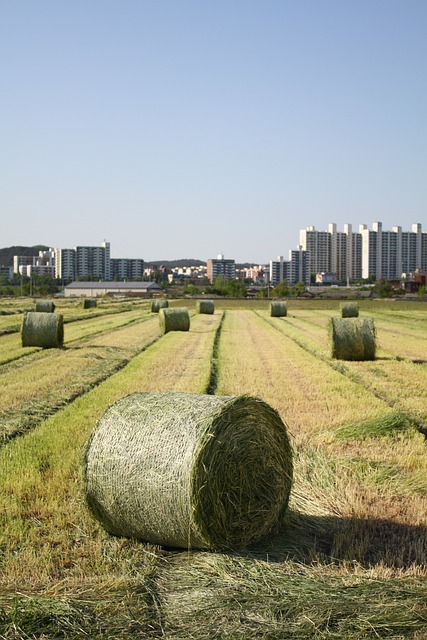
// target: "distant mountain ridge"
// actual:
[[170, 264], [6, 254], [6, 257]]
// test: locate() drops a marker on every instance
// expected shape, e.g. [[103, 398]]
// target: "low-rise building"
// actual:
[[118, 289]]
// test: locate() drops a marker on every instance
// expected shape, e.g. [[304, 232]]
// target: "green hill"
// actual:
[[6, 254]]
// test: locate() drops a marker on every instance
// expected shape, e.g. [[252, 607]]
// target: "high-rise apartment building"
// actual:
[[279, 271], [93, 261], [369, 252], [65, 264], [296, 269], [43, 264], [319, 246], [299, 266], [127, 268], [388, 254], [221, 267]]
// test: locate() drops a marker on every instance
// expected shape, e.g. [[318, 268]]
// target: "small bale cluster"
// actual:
[[278, 309], [205, 306], [40, 329], [353, 338], [156, 305], [189, 470], [176, 319], [349, 310], [89, 303], [45, 306]]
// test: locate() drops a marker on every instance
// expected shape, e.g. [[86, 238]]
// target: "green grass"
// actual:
[[376, 428]]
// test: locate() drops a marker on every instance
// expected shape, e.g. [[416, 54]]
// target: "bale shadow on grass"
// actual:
[[367, 541]]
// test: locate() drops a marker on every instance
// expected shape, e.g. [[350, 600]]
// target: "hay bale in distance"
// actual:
[[45, 306], [189, 470], [156, 305], [353, 338], [205, 306], [41, 329], [278, 309], [89, 303], [349, 310], [176, 319]]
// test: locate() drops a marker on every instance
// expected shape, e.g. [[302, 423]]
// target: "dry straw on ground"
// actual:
[[349, 310], [353, 338], [205, 306], [189, 470], [176, 319], [156, 305], [41, 329], [45, 306], [89, 303], [278, 309]]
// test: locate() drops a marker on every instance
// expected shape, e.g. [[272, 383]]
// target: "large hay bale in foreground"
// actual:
[[205, 306], [353, 338], [278, 309], [89, 303], [45, 306], [176, 319], [189, 470], [156, 305], [41, 329], [349, 310]]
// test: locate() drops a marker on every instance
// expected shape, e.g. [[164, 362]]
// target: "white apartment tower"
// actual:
[[388, 254], [277, 271]]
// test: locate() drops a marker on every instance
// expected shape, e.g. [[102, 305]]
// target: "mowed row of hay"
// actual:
[[40, 329], [189, 470]]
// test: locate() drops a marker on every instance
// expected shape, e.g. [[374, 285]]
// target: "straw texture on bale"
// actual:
[[156, 305], [176, 319], [349, 310], [353, 338], [89, 303], [45, 306], [278, 309], [205, 306], [189, 470], [41, 329]]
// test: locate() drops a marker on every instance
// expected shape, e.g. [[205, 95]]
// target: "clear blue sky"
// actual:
[[188, 128]]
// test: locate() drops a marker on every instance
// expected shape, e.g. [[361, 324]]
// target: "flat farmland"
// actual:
[[349, 562]]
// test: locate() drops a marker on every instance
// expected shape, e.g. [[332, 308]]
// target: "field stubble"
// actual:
[[350, 561]]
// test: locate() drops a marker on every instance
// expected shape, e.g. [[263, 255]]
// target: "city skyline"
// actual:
[[217, 126], [333, 254]]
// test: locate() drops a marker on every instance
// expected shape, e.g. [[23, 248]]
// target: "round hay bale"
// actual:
[[176, 319], [156, 305], [189, 470], [349, 310], [353, 338], [89, 303], [41, 329], [205, 306], [45, 306], [278, 309]]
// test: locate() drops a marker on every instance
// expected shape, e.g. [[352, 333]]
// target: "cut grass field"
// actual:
[[349, 562]]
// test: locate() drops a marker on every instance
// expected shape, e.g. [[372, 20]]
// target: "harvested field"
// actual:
[[348, 562]]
